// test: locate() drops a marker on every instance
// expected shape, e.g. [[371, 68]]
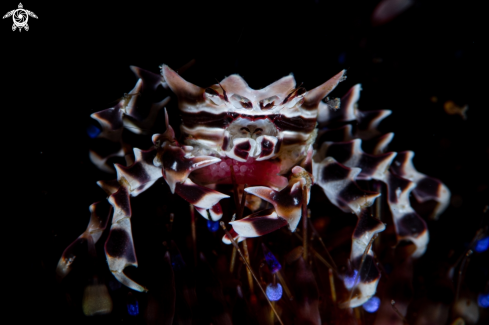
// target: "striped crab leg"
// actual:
[[119, 247], [169, 160], [177, 164], [131, 181], [366, 122], [366, 274], [338, 183], [99, 217], [135, 111], [427, 188], [409, 225], [166, 160]]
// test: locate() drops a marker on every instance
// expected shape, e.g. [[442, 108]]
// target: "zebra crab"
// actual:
[[279, 141]]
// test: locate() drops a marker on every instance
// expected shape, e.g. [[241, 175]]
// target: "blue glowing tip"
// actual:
[[482, 245], [372, 305], [93, 131], [274, 292], [271, 260], [483, 300], [349, 280], [213, 226], [133, 308]]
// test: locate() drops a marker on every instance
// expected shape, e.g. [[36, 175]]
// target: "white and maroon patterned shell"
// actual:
[[229, 119]]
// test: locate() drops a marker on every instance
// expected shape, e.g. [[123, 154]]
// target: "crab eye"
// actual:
[[294, 93], [211, 92], [300, 91], [240, 101], [245, 130], [213, 96], [268, 103]]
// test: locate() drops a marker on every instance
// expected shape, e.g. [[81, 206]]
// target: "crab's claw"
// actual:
[[177, 165], [287, 207], [200, 196], [258, 224], [214, 213]]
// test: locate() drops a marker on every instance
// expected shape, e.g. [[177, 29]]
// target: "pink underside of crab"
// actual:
[[251, 172]]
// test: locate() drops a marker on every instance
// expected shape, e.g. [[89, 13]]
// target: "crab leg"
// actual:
[[134, 180], [338, 183], [257, 224], [427, 188], [367, 275], [135, 111], [177, 163], [100, 214], [119, 247], [131, 181], [351, 155], [366, 121], [409, 225], [203, 198], [138, 177], [214, 213]]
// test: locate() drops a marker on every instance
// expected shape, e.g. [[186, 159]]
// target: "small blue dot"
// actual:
[[177, 262], [342, 58], [272, 262], [274, 292], [372, 304], [133, 309], [93, 131], [483, 300], [482, 245], [350, 280], [213, 226]]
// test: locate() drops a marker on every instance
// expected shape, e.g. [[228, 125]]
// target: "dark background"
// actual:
[[75, 60]]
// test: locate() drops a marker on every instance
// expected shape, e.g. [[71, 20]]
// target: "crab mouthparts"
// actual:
[[262, 148], [251, 172]]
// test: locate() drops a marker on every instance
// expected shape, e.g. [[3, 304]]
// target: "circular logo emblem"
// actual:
[[20, 17]]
